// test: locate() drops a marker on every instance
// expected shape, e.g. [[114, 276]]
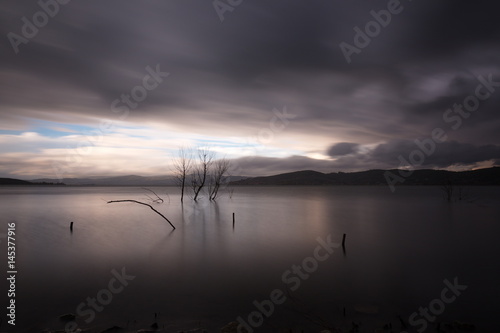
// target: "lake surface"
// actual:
[[400, 247]]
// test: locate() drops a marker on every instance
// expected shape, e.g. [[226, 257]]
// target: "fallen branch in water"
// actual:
[[145, 204]]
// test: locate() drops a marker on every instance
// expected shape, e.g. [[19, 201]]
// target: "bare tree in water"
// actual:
[[182, 167], [201, 170], [219, 170]]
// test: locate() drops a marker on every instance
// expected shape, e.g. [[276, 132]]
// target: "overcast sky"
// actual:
[[100, 87]]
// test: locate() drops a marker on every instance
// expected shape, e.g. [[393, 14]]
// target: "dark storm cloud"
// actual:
[[428, 154], [454, 153], [451, 27], [342, 148], [484, 121], [226, 77], [384, 156]]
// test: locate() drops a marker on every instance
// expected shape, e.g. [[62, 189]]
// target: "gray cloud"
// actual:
[[342, 148], [383, 156], [227, 77], [435, 155]]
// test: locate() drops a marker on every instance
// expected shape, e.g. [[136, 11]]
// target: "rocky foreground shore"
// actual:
[[232, 327]]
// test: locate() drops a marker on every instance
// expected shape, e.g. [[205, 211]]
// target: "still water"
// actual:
[[400, 248]]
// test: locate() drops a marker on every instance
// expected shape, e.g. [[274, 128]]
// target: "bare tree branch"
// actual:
[[182, 166], [220, 168], [448, 188], [145, 204], [201, 171], [157, 200]]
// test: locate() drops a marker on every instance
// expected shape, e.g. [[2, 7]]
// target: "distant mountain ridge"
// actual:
[[12, 181], [131, 180], [488, 176]]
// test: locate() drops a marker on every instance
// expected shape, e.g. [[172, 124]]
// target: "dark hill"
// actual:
[[489, 176], [11, 181], [307, 177]]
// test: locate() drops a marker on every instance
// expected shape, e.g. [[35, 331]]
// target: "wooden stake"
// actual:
[[233, 220], [71, 226], [343, 245]]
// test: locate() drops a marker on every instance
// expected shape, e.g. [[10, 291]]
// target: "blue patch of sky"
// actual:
[[52, 129], [55, 129], [9, 132], [131, 133], [222, 143], [251, 147]]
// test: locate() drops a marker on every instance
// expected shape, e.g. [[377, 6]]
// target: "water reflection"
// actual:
[[400, 248]]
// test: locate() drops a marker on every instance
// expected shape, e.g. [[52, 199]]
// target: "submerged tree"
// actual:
[[453, 192], [448, 189], [201, 170], [219, 170], [182, 167]]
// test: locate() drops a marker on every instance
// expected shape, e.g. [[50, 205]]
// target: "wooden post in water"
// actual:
[[233, 220], [71, 226], [343, 244]]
